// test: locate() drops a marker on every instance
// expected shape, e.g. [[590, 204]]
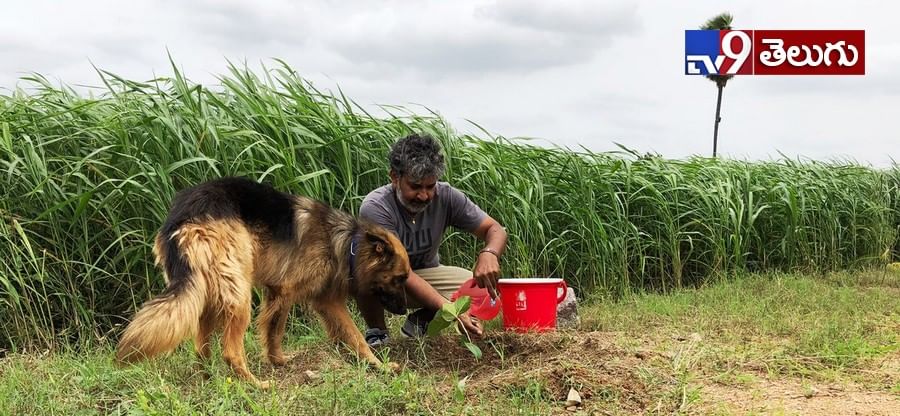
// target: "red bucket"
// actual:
[[530, 304]]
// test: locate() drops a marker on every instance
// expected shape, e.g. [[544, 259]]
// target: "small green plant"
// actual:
[[449, 314]]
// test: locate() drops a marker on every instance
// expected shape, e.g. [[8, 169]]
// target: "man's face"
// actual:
[[414, 195]]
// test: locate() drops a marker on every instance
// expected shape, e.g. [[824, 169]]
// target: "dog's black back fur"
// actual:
[[235, 198], [253, 203]]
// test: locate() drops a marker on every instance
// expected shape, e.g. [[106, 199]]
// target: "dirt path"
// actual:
[[793, 396], [790, 397]]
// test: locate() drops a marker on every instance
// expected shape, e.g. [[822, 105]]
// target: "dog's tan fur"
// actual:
[[228, 256]]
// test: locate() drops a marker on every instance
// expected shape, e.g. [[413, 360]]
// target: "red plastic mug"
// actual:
[[482, 306], [530, 304]]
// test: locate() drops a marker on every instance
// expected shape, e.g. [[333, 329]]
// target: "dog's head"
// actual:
[[383, 267]]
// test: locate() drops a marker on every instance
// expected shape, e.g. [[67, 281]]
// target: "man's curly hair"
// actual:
[[417, 156]]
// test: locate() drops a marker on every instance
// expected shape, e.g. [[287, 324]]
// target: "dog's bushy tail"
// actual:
[[165, 321]]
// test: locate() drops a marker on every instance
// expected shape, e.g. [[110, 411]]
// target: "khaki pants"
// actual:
[[444, 279]]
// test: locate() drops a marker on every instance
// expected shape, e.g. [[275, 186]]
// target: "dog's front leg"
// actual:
[[340, 327]]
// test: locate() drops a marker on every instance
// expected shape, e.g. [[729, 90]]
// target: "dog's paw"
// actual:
[[264, 385], [391, 367], [278, 360]]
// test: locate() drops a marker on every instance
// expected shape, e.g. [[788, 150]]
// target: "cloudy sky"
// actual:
[[569, 73]]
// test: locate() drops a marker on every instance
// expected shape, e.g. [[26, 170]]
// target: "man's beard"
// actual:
[[413, 207]]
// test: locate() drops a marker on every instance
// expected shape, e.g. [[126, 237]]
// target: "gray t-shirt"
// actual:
[[423, 234]]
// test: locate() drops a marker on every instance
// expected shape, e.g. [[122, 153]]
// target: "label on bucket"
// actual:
[[521, 304]]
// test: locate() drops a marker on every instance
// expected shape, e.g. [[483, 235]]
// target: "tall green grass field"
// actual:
[[86, 179]]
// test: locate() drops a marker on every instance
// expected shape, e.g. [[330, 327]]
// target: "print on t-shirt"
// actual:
[[418, 244]]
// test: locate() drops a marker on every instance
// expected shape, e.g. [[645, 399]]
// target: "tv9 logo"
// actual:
[[774, 52], [718, 52]]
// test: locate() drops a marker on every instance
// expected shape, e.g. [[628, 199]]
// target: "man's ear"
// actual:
[[395, 177]]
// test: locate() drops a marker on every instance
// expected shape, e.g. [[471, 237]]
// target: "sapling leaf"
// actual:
[[476, 351], [448, 314], [437, 325], [462, 305]]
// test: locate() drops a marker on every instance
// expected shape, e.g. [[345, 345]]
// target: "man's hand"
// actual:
[[487, 267], [471, 324], [487, 271]]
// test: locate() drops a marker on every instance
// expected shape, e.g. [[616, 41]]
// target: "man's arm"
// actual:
[[418, 288], [487, 266], [423, 292], [468, 216]]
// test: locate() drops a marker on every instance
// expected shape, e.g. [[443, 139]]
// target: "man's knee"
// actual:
[[445, 279]]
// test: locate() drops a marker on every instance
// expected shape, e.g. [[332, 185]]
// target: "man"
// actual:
[[418, 208]]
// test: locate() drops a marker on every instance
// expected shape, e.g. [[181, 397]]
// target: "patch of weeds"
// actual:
[[735, 378], [531, 392], [607, 395], [648, 376], [685, 396]]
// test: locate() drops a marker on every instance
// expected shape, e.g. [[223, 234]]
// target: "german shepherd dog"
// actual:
[[225, 236]]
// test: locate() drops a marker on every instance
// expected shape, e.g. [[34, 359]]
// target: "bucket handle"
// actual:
[[559, 298]]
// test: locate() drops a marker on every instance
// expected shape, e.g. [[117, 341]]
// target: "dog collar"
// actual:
[[354, 245]]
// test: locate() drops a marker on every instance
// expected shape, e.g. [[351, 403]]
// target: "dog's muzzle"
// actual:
[[391, 302]]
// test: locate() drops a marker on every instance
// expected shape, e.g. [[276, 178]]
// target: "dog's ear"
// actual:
[[378, 243]]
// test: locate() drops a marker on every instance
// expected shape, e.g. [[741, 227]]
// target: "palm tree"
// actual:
[[720, 22]]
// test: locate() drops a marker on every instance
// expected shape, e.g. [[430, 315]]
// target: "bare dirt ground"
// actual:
[[605, 375], [792, 397]]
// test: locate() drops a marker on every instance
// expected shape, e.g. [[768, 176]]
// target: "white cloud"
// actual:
[[446, 39], [572, 73], [579, 17]]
